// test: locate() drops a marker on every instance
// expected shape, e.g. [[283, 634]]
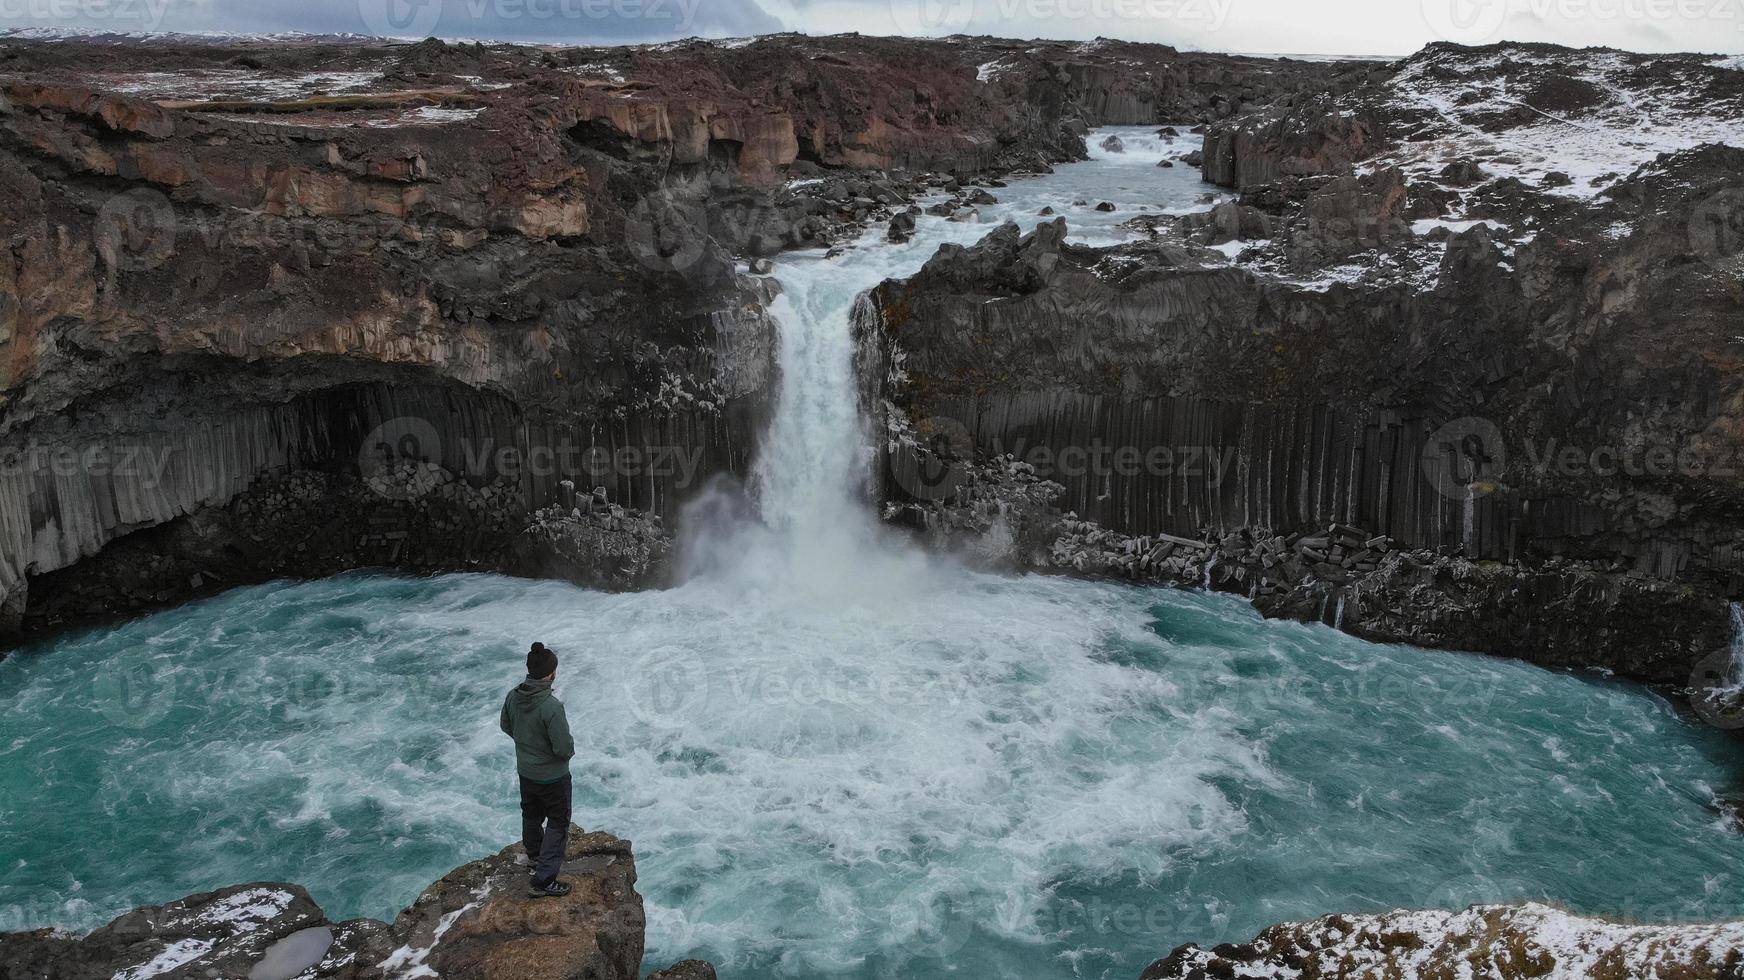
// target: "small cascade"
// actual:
[[1469, 523], [1735, 672], [1338, 614]]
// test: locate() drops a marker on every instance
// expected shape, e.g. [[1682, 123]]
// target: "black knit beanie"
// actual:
[[540, 661]]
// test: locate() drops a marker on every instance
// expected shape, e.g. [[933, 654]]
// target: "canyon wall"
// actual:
[[230, 264], [1530, 398]]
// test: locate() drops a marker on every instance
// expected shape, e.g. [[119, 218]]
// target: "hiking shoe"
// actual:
[[550, 889]]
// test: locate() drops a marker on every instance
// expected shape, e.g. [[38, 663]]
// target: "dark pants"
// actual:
[[545, 825]]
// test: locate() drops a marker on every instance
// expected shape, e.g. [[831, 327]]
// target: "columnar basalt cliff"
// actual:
[[1398, 395], [514, 266]]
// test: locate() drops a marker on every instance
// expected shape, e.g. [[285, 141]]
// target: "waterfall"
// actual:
[[1735, 673], [806, 531], [1469, 523]]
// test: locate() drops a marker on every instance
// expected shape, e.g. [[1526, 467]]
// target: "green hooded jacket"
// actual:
[[534, 718]]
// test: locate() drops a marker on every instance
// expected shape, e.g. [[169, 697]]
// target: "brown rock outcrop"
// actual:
[[477, 923]]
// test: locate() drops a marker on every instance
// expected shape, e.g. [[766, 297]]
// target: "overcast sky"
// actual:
[[1376, 27]]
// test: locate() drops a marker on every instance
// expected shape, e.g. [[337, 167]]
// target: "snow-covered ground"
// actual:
[[1641, 111], [235, 83], [602, 72], [93, 35], [1592, 118], [1530, 940]]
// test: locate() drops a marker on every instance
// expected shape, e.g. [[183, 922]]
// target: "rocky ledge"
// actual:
[[477, 923], [1504, 942]]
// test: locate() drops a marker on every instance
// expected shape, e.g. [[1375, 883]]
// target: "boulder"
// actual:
[[1113, 145], [479, 921], [1227, 222], [220, 933], [1463, 173], [686, 970], [1524, 940]]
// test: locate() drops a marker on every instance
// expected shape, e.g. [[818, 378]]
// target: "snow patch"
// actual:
[[1633, 123], [230, 83], [605, 72], [1570, 947], [407, 962], [253, 906], [175, 955], [1427, 225]]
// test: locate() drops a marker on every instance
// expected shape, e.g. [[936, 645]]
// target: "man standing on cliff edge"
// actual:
[[534, 718]]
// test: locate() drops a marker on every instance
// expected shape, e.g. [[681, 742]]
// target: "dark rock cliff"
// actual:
[[230, 264], [1529, 397]]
